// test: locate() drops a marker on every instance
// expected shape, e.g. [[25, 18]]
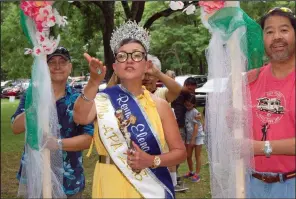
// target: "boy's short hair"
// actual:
[[189, 97], [190, 81]]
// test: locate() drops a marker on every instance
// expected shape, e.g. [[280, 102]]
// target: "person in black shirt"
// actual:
[[180, 110], [178, 104]]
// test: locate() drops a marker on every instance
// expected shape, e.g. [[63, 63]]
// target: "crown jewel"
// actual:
[[129, 30]]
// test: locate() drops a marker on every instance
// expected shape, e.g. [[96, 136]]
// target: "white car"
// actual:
[[217, 85], [200, 79], [102, 86], [5, 82]]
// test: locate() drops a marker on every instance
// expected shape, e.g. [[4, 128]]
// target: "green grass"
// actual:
[[12, 147]]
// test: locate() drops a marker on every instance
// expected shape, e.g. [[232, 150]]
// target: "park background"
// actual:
[[179, 40]]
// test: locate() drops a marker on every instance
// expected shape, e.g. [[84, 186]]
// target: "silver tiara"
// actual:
[[129, 30]]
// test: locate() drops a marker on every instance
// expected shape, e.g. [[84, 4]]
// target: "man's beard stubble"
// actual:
[[280, 55]]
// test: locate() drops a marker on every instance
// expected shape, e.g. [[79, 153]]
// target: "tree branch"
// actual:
[[134, 9], [99, 4], [165, 13], [126, 9], [77, 4], [140, 12]]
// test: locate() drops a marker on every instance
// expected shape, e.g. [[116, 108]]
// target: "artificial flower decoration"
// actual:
[[211, 6], [44, 17], [176, 5], [42, 3], [208, 6], [28, 51], [190, 9]]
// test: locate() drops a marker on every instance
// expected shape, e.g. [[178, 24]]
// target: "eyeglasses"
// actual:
[[136, 56], [283, 9]]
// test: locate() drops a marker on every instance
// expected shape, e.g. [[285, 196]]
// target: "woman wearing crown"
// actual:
[[132, 126]]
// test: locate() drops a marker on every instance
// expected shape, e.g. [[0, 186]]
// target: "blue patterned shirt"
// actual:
[[74, 180]]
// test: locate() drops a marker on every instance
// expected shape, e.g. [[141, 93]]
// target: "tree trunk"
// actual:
[[201, 67], [108, 12], [137, 10]]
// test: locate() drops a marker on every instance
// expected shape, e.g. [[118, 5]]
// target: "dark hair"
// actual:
[[279, 11], [190, 81], [190, 98], [129, 40]]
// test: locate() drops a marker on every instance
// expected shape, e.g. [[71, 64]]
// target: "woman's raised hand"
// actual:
[[96, 69]]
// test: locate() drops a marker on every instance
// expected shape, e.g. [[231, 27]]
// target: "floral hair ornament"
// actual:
[[129, 30], [43, 16]]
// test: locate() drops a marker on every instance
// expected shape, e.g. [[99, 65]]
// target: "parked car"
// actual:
[[14, 88], [5, 83], [80, 84], [217, 85], [200, 81]]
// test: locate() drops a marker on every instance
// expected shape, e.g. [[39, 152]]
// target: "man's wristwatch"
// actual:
[[267, 149], [60, 143], [156, 162]]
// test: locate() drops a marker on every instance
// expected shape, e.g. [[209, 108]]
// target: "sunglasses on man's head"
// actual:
[[283, 9]]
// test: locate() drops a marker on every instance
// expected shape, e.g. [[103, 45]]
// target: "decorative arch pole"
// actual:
[[235, 47], [42, 168]]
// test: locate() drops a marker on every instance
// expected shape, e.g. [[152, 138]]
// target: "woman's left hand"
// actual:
[[138, 159]]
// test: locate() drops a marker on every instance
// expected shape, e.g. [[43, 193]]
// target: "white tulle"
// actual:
[[42, 172], [228, 116]]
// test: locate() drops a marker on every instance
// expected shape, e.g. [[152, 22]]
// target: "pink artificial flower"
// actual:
[[41, 38], [39, 26], [29, 9], [38, 51], [45, 18], [43, 13], [211, 6], [34, 9]]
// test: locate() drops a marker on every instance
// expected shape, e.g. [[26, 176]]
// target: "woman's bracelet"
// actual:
[[85, 98]]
